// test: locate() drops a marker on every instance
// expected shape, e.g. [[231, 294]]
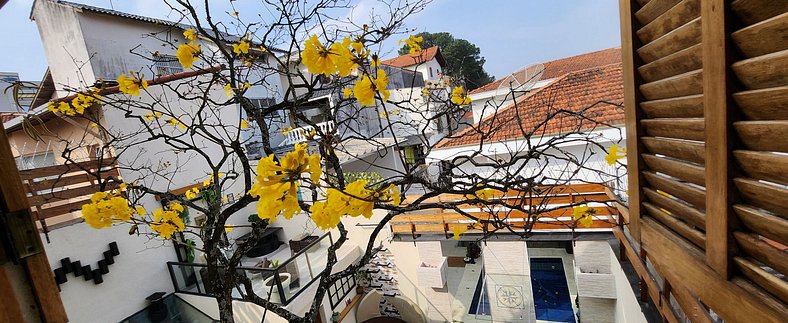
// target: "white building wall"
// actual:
[[64, 45], [139, 271]]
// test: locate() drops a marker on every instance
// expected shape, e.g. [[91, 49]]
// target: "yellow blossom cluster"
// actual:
[[241, 47], [151, 116], [357, 199], [482, 194], [458, 230], [105, 208], [338, 58], [614, 154], [459, 96], [414, 43], [209, 181], [167, 220], [192, 193], [366, 86], [583, 215], [131, 84], [78, 105], [188, 53], [276, 185]]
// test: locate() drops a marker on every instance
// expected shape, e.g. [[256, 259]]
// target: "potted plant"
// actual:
[[269, 284], [362, 281]]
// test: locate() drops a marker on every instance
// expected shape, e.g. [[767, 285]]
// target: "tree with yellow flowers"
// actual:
[[207, 130]]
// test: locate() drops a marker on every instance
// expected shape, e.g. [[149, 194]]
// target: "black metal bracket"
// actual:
[[18, 235]]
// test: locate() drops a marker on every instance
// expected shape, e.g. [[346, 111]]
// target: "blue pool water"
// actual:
[[480, 304], [551, 293]]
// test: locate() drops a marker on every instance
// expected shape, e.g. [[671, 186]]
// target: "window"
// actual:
[[166, 65], [340, 289], [414, 155], [35, 161], [430, 72]]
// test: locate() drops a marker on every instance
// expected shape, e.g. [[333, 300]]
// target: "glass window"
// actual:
[[166, 65], [35, 161]]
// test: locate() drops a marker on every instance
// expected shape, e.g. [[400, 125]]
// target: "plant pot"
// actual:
[[269, 282]]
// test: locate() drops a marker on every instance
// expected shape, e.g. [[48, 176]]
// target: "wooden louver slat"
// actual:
[[764, 71], [763, 223], [686, 212], [692, 151], [680, 62], [766, 196], [765, 37], [764, 104], [689, 83], [679, 107], [674, 41], [763, 165], [687, 193], [763, 135], [680, 128]]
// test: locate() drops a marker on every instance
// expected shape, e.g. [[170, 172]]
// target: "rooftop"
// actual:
[[560, 67], [416, 58], [600, 89]]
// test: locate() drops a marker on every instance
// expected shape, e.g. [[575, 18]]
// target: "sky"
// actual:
[[510, 33]]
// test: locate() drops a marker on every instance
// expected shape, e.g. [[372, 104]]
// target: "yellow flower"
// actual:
[[365, 88], [347, 93], [131, 84], [316, 57], [140, 210], [190, 34], [613, 154], [192, 193], [228, 90], [458, 230], [149, 116], [228, 229], [459, 96], [167, 220], [583, 215], [187, 54], [105, 208], [482, 194], [241, 47], [246, 85], [244, 124], [276, 184], [82, 102], [207, 182], [286, 130], [342, 57], [414, 43], [176, 122]]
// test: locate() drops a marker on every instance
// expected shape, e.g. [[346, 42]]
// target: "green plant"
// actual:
[[274, 263]]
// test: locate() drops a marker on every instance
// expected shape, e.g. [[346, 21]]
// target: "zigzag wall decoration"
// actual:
[[67, 266]]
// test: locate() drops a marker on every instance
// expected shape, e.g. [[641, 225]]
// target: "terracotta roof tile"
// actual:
[[413, 59], [560, 67], [599, 89]]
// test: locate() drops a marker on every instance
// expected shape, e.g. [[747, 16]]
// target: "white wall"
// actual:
[[64, 45], [139, 271]]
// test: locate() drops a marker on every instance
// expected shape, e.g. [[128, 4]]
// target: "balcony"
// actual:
[[280, 284], [301, 134]]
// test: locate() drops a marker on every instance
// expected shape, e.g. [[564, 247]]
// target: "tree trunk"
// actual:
[[217, 277]]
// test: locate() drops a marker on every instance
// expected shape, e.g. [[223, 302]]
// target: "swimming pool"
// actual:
[[551, 292], [480, 304]]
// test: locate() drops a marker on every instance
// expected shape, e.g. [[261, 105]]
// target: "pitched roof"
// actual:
[[416, 58], [598, 90], [559, 67], [155, 21]]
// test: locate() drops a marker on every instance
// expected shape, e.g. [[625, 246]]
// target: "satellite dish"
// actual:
[[520, 81]]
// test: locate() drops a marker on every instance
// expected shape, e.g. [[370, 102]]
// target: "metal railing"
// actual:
[[280, 284], [302, 134]]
